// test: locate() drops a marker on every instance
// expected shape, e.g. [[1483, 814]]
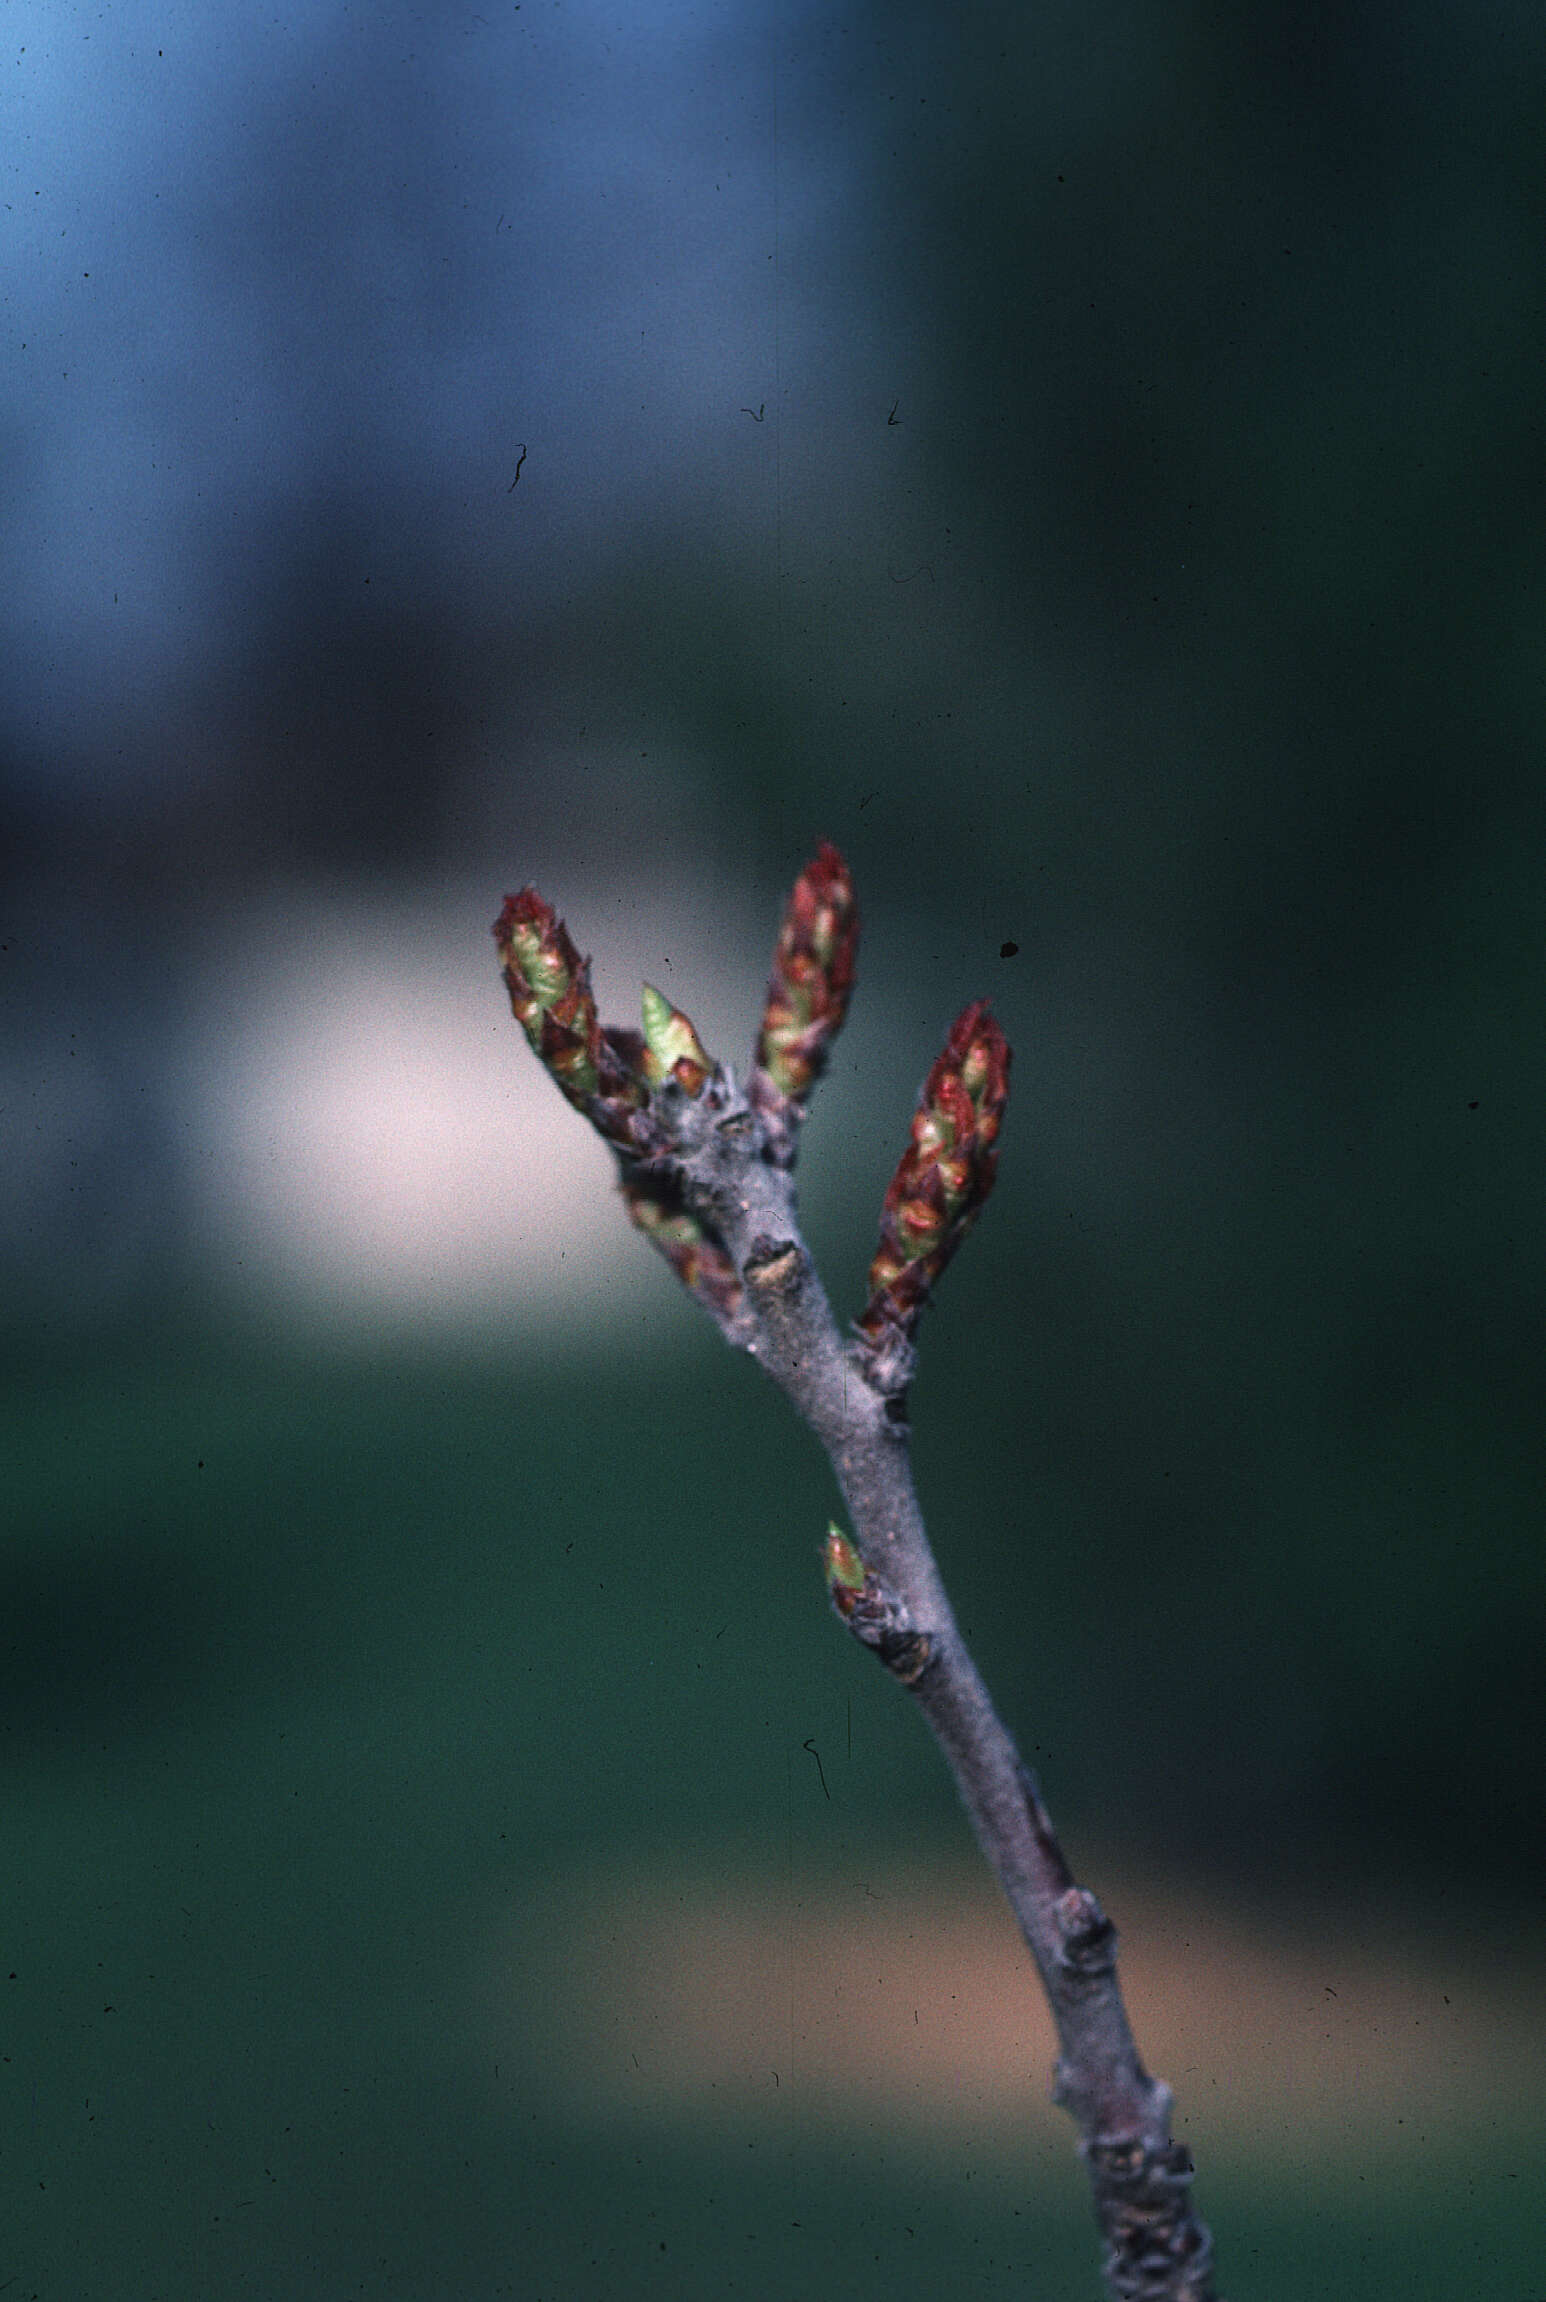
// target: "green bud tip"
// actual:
[[844, 1569], [673, 1048]]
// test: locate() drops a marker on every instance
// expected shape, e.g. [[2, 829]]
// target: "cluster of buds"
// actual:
[[624, 1082], [813, 975], [611, 1075], [944, 1176], [606, 1073]]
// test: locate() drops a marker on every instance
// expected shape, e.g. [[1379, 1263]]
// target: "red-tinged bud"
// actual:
[[550, 994], [813, 975], [600, 1071], [945, 1174], [699, 1261]]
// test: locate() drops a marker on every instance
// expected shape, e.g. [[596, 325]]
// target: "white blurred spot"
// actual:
[[380, 1147]]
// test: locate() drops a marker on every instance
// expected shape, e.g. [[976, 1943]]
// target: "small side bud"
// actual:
[[1087, 1938], [813, 975], [698, 1260], [844, 1570], [673, 1049], [944, 1176], [877, 1617]]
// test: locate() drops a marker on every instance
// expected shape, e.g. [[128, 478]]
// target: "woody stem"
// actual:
[[1157, 2250]]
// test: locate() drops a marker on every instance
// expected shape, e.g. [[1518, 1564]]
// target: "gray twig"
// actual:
[[1157, 2250], [708, 1173]]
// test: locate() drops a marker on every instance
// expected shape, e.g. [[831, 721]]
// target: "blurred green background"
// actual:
[[1087, 464]]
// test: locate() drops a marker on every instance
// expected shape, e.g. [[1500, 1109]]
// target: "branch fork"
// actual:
[[707, 1169]]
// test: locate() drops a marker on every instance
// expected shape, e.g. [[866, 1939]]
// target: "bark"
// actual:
[[853, 1396], [708, 1176]]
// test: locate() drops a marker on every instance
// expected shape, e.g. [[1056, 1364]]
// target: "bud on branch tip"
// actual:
[[944, 1176], [549, 986], [600, 1071], [813, 975], [673, 1049]]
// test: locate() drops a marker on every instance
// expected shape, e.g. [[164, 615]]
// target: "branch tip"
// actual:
[[813, 975], [598, 1070], [672, 1048], [944, 1176]]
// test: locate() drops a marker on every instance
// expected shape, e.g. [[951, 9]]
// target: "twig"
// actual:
[[708, 1174]]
